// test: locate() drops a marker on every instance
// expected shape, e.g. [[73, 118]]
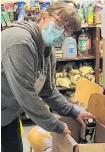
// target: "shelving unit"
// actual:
[[95, 57]]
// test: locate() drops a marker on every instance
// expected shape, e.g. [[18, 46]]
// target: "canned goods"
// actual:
[[87, 135]]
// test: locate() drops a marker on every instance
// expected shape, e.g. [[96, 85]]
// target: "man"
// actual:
[[28, 66]]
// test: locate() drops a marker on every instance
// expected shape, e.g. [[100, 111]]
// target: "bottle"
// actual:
[[21, 10], [89, 42], [87, 135], [85, 9], [83, 44], [81, 13], [90, 13], [69, 48]]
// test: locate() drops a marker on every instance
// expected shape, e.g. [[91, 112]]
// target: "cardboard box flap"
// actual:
[[100, 133], [96, 106], [91, 147], [63, 143]]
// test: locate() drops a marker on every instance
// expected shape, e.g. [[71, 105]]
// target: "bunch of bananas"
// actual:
[[87, 72], [63, 82], [69, 78], [74, 76]]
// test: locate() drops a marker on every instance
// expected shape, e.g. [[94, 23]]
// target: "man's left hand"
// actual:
[[84, 115]]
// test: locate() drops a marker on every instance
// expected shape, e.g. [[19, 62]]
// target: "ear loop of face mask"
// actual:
[[43, 65]]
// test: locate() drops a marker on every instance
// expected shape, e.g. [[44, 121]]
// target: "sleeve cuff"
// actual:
[[74, 112], [60, 128]]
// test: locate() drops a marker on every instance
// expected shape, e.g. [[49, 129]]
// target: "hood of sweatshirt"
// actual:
[[33, 29]]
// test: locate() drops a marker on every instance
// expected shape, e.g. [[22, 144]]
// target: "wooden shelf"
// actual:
[[85, 25], [64, 89], [77, 58]]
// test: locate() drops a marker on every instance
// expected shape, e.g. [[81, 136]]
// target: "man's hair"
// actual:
[[66, 13]]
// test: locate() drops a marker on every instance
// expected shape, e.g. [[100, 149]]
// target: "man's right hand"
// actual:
[[66, 129]]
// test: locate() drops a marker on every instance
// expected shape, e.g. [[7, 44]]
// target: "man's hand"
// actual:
[[84, 115], [66, 129]]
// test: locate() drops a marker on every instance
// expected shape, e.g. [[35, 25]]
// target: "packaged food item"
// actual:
[[21, 10], [44, 6], [81, 13], [87, 135], [3, 23], [9, 7], [90, 13], [85, 10], [83, 41], [98, 11], [6, 17], [63, 82], [11, 16], [69, 48]]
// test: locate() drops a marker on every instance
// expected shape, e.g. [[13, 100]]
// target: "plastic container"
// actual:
[[90, 13], [21, 10], [83, 44], [69, 48]]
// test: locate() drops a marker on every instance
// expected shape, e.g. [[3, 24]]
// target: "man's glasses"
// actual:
[[60, 26]]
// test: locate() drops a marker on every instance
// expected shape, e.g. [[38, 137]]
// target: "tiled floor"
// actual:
[[26, 145]]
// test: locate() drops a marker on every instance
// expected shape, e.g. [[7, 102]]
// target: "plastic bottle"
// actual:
[[69, 48], [85, 9], [83, 44], [21, 10], [90, 13], [81, 14], [89, 41]]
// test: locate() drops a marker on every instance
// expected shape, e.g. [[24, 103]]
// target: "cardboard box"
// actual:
[[67, 143]]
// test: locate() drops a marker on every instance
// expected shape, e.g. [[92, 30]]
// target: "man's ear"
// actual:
[[43, 17]]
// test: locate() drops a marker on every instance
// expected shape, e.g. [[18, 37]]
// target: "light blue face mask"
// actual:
[[53, 36]]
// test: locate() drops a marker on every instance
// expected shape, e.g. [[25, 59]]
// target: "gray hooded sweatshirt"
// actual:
[[27, 79]]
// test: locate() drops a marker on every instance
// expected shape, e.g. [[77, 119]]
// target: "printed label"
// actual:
[[71, 48], [83, 45]]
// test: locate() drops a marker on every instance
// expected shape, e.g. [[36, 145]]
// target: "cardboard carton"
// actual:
[[67, 143]]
